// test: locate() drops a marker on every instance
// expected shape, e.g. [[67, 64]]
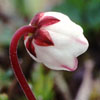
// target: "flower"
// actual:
[[57, 41], [51, 38]]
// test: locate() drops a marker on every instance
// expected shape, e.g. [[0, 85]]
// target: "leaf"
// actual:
[[5, 78], [3, 97], [5, 37], [42, 84]]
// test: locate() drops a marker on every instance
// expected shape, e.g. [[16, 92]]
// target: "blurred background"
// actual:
[[82, 84]]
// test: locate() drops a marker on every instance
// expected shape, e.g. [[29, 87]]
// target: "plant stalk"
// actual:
[[14, 60]]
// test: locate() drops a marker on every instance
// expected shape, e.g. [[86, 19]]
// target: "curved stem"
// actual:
[[14, 60]]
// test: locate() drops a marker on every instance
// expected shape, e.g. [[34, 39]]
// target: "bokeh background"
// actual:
[[82, 84]]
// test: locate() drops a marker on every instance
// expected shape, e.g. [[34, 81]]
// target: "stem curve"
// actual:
[[14, 60]]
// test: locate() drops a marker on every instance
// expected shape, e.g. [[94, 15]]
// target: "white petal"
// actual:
[[71, 45], [57, 15], [61, 56], [55, 58], [65, 26], [73, 33]]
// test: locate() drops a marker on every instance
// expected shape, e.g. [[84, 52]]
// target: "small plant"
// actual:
[[51, 38]]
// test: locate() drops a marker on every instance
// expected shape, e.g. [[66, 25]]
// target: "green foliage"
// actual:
[[93, 13], [86, 13], [5, 78], [5, 37], [42, 84], [20, 6], [28, 7], [3, 97]]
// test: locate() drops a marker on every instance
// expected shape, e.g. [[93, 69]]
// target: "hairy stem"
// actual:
[[14, 60]]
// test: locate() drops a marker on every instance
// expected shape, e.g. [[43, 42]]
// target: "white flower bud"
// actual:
[[57, 41]]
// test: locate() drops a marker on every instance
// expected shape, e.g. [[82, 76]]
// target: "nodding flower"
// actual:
[[51, 38]]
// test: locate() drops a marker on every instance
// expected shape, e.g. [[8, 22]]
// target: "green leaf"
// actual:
[[69, 9], [5, 78], [42, 84], [85, 13], [5, 37], [3, 97]]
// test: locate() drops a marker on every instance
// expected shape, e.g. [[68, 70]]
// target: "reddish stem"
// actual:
[[14, 60]]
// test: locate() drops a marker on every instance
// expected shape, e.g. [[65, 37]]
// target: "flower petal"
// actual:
[[56, 59], [69, 68], [65, 26], [42, 38]]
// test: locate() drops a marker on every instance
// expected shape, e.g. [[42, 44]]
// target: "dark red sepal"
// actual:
[[30, 47], [48, 20], [33, 49], [36, 19], [42, 38]]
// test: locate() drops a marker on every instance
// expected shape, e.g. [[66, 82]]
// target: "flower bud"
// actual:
[[57, 41]]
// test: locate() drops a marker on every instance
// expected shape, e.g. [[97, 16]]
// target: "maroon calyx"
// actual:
[[30, 46], [42, 38], [36, 19], [40, 20], [48, 20]]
